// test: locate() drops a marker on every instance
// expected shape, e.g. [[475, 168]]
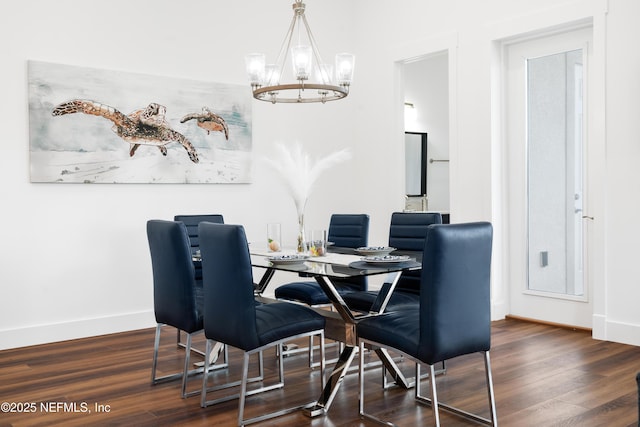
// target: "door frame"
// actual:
[[562, 18]]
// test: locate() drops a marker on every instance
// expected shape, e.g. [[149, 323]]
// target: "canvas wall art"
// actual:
[[90, 125]]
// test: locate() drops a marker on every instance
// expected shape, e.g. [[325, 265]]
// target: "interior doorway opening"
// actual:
[[426, 111]]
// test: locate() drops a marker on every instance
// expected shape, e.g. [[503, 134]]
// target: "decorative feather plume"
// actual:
[[299, 172]]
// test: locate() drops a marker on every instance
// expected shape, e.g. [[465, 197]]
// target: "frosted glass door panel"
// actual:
[[554, 173]]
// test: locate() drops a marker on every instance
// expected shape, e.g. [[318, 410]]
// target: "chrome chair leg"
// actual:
[[361, 380], [203, 392], [244, 392], [291, 349], [489, 378], [432, 400], [187, 360], [433, 391], [180, 344], [243, 383], [155, 354], [436, 405], [170, 377], [361, 411], [184, 375], [323, 363], [280, 365]]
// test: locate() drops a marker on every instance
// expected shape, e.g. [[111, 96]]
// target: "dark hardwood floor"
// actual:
[[543, 376]]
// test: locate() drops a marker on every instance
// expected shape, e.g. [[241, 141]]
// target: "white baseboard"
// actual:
[[620, 332], [625, 333], [42, 334]]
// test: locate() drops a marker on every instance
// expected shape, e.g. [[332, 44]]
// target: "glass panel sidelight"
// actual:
[[555, 173]]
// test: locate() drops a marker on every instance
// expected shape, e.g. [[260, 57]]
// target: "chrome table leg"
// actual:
[[333, 383]]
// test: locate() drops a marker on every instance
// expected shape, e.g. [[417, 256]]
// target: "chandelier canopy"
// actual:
[[315, 80]]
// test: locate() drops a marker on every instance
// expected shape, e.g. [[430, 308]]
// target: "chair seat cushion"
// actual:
[[281, 320], [362, 301], [309, 293], [397, 329]]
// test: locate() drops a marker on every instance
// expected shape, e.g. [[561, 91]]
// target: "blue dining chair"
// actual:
[[407, 232], [638, 391], [174, 290], [232, 317], [191, 222], [453, 317], [345, 231]]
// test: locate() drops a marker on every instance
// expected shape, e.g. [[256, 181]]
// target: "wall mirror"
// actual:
[[415, 151]]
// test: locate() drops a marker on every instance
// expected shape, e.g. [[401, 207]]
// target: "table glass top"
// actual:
[[338, 263]]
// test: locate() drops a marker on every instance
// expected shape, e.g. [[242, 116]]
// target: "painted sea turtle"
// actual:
[[146, 126], [209, 121]]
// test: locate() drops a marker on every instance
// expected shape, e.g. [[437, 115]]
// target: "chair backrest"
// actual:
[[229, 307], [455, 306], [174, 298], [192, 221], [349, 230], [408, 231]]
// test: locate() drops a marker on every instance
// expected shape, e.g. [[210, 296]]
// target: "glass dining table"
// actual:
[[340, 263]]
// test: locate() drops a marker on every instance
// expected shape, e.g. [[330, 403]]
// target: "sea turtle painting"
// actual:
[[209, 121], [146, 126]]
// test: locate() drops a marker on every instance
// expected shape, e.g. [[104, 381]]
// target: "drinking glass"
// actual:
[[318, 243], [273, 237]]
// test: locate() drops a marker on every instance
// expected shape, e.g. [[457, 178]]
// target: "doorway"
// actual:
[[546, 94], [426, 112]]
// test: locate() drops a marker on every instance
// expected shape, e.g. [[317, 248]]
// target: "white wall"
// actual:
[[622, 175], [74, 257], [470, 36]]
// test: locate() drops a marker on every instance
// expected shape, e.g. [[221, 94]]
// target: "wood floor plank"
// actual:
[[546, 413], [543, 376]]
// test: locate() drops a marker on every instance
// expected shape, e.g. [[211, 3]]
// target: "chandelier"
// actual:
[[315, 82]]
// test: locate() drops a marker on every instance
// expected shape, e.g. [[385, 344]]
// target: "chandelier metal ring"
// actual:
[[304, 91]]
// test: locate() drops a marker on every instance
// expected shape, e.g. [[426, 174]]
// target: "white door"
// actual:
[[546, 98]]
